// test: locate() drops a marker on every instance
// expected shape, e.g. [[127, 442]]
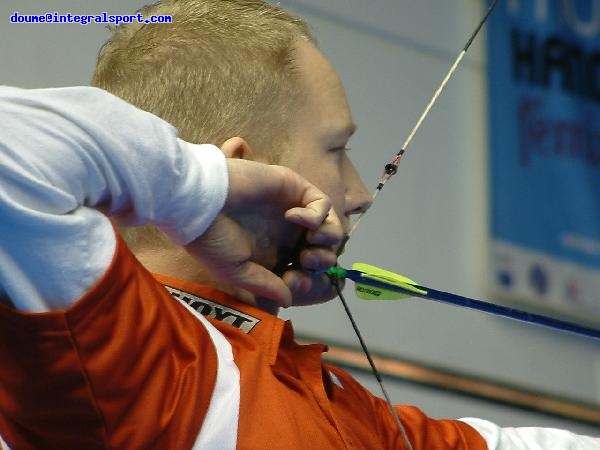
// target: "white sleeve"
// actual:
[[530, 438], [64, 151]]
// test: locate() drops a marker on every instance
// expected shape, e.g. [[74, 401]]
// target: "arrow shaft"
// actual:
[[478, 305]]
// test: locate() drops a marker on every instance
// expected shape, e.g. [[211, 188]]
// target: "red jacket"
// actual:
[[133, 366]]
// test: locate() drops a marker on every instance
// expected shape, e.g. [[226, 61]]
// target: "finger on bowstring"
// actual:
[[308, 288], [317, 258], [312, 215], [329, 233]]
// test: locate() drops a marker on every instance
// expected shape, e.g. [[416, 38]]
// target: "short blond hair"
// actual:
[[221, 68]]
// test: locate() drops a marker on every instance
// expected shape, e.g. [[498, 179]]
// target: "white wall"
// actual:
[[430, 222]]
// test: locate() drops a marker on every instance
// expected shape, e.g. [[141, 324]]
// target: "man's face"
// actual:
[[320, 132], [318, 137]]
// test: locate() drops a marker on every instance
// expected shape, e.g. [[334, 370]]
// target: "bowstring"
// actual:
[[390, 170], [365, 349]]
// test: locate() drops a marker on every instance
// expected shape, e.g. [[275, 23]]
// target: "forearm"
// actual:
[[64, 152]]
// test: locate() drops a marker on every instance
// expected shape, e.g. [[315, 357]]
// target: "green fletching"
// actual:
[[367, 292]]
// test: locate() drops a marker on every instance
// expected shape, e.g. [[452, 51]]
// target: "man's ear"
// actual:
[[237, 147]]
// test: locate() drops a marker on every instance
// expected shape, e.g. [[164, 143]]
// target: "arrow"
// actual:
[[374, 283]]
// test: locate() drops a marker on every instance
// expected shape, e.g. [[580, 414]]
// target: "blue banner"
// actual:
[[544, 86]]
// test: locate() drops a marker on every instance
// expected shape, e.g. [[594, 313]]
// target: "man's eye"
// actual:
[[342, 149]]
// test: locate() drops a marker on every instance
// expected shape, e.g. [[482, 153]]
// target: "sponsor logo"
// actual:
[[214, 310], [367, 290]]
